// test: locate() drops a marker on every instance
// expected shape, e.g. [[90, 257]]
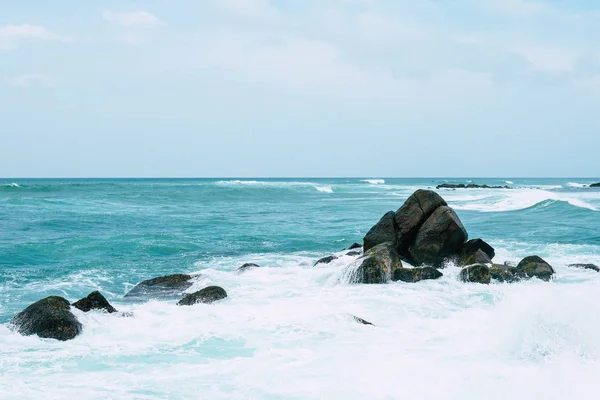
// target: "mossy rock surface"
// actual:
[[208, 295], [478, 273], [534, 266], [48, 318]]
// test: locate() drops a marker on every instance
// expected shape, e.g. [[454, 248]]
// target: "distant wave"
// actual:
[[9, 186], [509, 182], [577, 185], [374, 181], [518, 200], [324, 189]]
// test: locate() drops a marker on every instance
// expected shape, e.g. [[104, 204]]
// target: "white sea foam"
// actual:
[[374, 181], [509, 182], [288, 320], [577, 185], [324, 189]]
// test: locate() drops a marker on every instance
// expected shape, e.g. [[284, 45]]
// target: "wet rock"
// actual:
[[353, 253], [478, 273], [361, 321], [326, 260], [48, 318], [378, 264], [416, 274], [595, 185], [534, 266], [593, 267], [355, 246], [441, 236], [94, 301], [469, 186], [382, 232], [207, 295], [478, 257], [506, 273], [163, 286], [246, 267], [411, 217], [473, 245]]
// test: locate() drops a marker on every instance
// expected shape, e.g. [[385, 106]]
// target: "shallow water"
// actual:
[[286, 330]]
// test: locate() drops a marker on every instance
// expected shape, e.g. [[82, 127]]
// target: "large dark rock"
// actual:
[[378, 264], [478, 273], [415, 274], [382, 232], [534, 266], [326, 260], [595, 185], [207, 295], [440, 237], [163, 286], [593, 267], [411, 217], [473, 245], [94, 301], [506, 273], [246, 267], [48, 318]]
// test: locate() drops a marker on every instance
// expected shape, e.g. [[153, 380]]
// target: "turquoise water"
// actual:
[[285, 330]]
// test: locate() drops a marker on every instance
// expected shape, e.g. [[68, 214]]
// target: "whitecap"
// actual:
[[577, 185], [374, 181], [324, 189], [509, 182]]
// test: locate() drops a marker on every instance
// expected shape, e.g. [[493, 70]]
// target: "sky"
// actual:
[[287, 88]]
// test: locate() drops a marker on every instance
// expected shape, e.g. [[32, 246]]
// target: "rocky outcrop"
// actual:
[[326, 260], [478, 273], [207, 295], [382, 232], [378, 264], [534, 266], [593, 267], [48, 318], [595, 185], [415, 274], [163, 286], [246, 267], [440, 237], [506, 273], [469, 186], [94, 301]]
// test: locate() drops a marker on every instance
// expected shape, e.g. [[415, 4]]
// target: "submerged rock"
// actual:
[[355, 246], [208, 295], [440, 237], [361, 321], [593, 267], [163, 286], [354, 253], [382, 232], [411, 217], [247, 267], [506, 273], [478, 273], [378, 264], [416, 274], [326, 260], [534, 266], [94, 301], [48, 318]]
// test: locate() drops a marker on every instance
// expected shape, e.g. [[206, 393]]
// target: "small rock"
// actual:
[[163, 286], [473, 245], [247, 267], [593, 267], [94, 301], [536, 266], [478, 273], [353, 253], [326, 260], [208, 295], [48, 318], [355, 246], [416, 274], [506, 273], [361, 321]]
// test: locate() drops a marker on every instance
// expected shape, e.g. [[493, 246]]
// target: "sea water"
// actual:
[[286, 330]]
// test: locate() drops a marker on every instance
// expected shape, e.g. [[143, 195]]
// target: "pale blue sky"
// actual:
[[299, 88]]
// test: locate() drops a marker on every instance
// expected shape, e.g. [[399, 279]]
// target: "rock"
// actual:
[[326, 260], [411, 217], [506, 273], [415, 274], [207, 295], [378, 264], [247, 267], [469, 186], [355, 246], [585, 266], [440, 237], [473, 245], [536, 266], [361, 321], [94, 301], [595, 185], [478, 273], [48, 318], [163, 286], [479, 257], [353, 253], [382, 232]]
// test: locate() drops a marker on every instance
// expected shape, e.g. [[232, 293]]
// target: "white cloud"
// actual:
[[30, 80], [137, 19], [12, 35]]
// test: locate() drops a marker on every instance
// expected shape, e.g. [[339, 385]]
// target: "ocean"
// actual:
[[286, 330]]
